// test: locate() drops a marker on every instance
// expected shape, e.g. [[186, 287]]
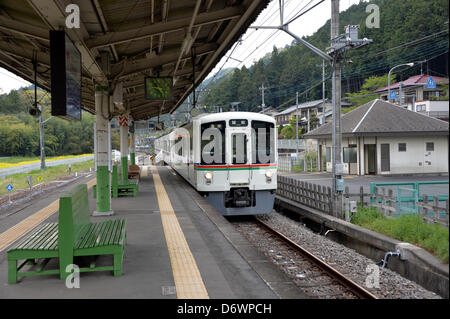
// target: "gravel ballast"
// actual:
[[349, 262]]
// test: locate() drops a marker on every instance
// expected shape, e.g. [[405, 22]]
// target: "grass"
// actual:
[[407, 228], [6, 162], [19, 181]]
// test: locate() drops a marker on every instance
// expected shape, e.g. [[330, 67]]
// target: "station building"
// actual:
[[381, 138]]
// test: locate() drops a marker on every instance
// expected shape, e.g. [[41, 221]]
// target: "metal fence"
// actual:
[[291, 144], [290, 163], [433, 209]]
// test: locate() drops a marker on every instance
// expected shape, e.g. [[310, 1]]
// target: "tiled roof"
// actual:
[[383, 118], [415, 80]]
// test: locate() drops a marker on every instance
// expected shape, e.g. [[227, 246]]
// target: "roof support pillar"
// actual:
[[132, 144], [124, 151], [103, 187]]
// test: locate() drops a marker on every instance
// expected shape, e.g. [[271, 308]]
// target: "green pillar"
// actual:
[[124, 166], [103, 177], [132, 144], [124, 152]]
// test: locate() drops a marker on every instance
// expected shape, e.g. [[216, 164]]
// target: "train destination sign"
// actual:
[[65, 62], [158, 88]]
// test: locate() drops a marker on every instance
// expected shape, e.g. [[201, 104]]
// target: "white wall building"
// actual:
[[381, 138]]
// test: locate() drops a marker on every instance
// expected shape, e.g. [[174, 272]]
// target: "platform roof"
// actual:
[[142, 38]]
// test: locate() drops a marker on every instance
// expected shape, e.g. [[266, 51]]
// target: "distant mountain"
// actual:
[[410, 31]]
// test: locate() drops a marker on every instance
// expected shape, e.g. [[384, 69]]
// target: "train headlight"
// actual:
[[208, 177], [269, 175]]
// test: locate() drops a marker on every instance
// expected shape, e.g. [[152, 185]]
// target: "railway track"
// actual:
[[320, 279]]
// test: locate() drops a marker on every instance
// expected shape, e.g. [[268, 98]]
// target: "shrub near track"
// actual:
[[407, 228]]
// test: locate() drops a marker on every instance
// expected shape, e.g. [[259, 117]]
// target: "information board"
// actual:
[[65, 62]]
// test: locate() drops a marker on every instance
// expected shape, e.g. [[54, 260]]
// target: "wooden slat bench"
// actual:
[[74, 235], [129, 187], [134, 172]]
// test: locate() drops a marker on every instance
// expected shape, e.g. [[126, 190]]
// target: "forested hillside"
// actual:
[[19, 132], [419, 33]]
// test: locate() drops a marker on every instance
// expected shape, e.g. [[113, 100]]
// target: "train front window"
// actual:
[[263, 142], [239, 148], [213, 143]]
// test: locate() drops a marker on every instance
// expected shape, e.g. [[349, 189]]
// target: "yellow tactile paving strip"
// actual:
[[20, 229], [144, 171], [187, 277]]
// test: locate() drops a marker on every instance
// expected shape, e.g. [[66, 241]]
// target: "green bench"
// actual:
[[119, 187], [74, 235]]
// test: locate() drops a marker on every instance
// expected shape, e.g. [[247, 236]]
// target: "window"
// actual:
[[350, 154], [239, 148], [238, 123], [328, 154], [217, 146], [263, 140], [430, 146], [402, 147]]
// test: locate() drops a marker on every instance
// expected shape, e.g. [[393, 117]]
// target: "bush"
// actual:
[[407, 228]]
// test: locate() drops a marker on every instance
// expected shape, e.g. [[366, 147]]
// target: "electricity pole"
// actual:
[[296, 125], [323, 86], [335, 55], [337, 169], [262, 88]]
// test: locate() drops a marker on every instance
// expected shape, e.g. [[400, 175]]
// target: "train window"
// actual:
[[238, 123], [214, 133], [263, 142], [239, 148]]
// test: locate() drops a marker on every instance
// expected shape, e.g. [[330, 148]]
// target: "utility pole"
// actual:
[[296, 125], [262, 88], [41, 140], [323, 86], [337, 169], [335, 55]]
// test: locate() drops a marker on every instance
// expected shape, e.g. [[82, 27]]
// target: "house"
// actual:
[[381, 138], [269, 111], [417, 97], [314, 107]]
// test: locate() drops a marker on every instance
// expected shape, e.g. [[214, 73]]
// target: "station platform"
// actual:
[[177, 247]]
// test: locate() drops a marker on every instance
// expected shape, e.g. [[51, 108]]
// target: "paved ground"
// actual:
[[147, 265]]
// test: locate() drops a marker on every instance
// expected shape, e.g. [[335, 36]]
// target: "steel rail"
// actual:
[[350, 284]]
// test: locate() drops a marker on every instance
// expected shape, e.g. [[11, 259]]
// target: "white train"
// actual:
[[228, 157]]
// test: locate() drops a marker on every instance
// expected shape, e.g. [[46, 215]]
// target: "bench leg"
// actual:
[[12, 271], [118, 259]]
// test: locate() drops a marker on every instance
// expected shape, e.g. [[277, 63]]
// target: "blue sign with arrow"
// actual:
[[393, 95], [431, 84], [9, 187]]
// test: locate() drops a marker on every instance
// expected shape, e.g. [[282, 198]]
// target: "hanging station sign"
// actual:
[[65, 62]]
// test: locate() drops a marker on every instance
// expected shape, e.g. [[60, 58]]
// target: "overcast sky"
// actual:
[[252, 39]]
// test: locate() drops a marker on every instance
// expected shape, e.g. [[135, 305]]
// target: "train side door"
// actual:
[[238, 156]]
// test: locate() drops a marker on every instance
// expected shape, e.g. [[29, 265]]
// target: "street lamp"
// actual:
[[389, 76], [41, 138]]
